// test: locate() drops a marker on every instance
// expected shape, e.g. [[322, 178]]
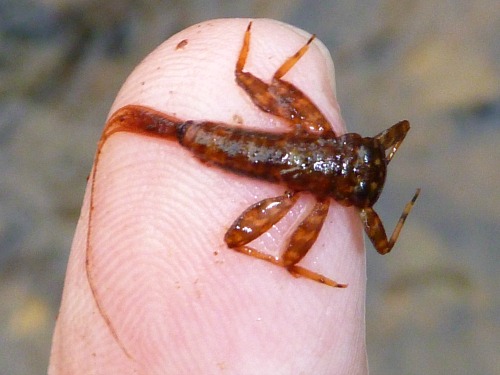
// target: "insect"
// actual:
[[310, 157]]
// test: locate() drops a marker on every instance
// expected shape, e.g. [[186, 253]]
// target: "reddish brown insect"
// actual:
[[310, 157]]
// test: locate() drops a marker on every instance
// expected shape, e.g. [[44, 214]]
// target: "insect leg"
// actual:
[[305, 234], [268, 212], [301, 241], [255, 221], [292, 60], [258, 219], [281, 98], [375, 229]]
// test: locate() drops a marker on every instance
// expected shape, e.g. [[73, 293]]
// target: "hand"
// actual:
[[179, 300]]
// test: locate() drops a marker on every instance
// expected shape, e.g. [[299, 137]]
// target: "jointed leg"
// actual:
[[281, 98], [301, 241], [375, 229], [305, 234], [260, 217], [255, 221], [292, 60]]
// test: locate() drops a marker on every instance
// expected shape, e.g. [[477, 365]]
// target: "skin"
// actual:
[[180, 301]]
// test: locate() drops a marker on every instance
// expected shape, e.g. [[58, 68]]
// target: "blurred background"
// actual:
[[433, 305]]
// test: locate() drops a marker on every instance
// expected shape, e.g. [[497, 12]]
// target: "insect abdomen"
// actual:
[[300, 163], [253, 154]]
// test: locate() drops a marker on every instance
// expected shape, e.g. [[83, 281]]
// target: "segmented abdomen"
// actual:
[[300, 162], [242, 151]]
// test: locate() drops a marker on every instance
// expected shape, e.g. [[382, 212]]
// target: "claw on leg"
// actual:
[[295, 270]]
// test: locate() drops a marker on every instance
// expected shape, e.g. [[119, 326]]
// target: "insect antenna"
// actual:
[[392, 138]]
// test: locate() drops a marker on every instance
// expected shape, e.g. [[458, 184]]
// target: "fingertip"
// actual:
[[160, 214]]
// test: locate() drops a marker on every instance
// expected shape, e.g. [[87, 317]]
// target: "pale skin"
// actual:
[[180, 301]]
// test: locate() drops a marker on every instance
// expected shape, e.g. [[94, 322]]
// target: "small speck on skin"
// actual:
[[221, 365], [237, 119], [183, 43]]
